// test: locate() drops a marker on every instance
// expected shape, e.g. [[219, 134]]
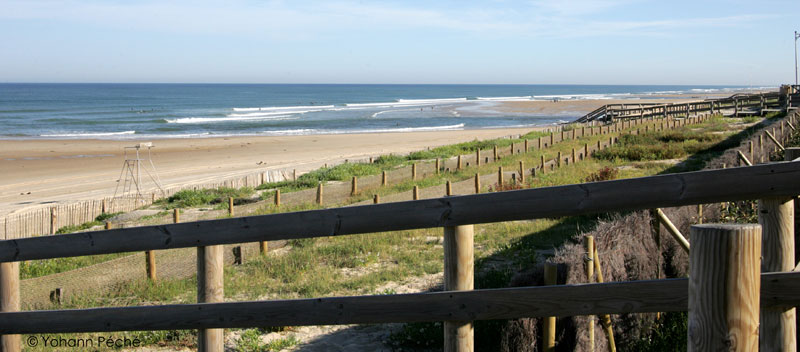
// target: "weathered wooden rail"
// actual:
[[739, 103], [458, 307]]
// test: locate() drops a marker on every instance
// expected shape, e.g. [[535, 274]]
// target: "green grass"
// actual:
[[98, 221], [205, 197]]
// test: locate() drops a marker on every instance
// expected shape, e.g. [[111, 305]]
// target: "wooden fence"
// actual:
[[761, 102], [460, 305]]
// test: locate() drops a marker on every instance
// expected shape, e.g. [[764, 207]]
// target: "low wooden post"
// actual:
[[540, 143], [414, 170], [376, 199], [9, 301], [176, 215], [724, 287], [458, 162], [573, 156], [605, 319], [230, 206], [448, 188], [521, 171], [588, 245], [500, 176], [384, 179], [495, 153], [150, 265], [210, 290], [458, 276], [477, 183], [552, 137], [416, 192], [53, 221], [104, 208], [585, 151], [526, 145], [478, 157], [294, 175], [558, 161], [776, 217], [549, 323], [354, 184], [319, 194], [277, 197], [542, 164], [108, 225]]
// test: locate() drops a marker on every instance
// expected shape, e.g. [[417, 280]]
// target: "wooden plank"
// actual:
[[776, 216], [710, 186], [459, 276], [777, 290], [9, 302]]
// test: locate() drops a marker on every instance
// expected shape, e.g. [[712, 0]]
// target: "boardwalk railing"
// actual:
[[738, 103], [458, 306]]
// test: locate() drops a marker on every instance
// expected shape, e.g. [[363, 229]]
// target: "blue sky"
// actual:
[[508, 42]]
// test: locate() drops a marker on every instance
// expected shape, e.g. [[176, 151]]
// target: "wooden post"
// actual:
[[540, 142], [500, 176], [458, 162], [210, 290], [230, 206], [477, 183], [724, 287], [383, 174], [558, 161], [354, 183], [526, 145], [53, 221], [319, 194], [414, 170], [416, 192], [277, 197], [108, 225], [150, 265], [478, 157], [448, 188], [495, 153], [458, 276], [9, 302], [588, 245], [521, 171], [294, 175], [542, 164], [238, 257], [376, 199], [104, 208], [605, 319], [585, 151], [551, 138], [549, 323], [776, 217], [176, 215], [573, 156]]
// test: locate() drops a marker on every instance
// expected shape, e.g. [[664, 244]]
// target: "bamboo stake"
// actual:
[[605, 319], [676, 234], [549, 323], [588, 245]]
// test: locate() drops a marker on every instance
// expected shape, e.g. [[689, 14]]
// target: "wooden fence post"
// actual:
[[458, 162], [319, 194], [478, 157], [150, 265], [521, 171], [53, 221], [605, 319], [416, 192], [724, 287], [437, 169], [448, 188], [477, 183], [776, 217], [558, 161], [458, 276], [414, 170], [376, 199], [500, 176], [210, 290], [277, 197], [230, 206], [9, 301], [495, 153], [354, 182], [526, 145], [384, 178], [294, 175], [549, 323], [588, 245]]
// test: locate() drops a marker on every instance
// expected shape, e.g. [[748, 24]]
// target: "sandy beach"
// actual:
[[40, 172]]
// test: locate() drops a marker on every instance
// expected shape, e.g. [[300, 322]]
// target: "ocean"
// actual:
[[148, 111]]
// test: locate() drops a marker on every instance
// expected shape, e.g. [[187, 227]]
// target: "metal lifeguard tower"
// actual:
[[130, 183]]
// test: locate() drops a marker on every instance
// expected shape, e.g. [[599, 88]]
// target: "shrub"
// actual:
[[604, 174]]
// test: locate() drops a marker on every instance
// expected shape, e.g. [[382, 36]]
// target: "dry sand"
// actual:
[[68, 170]]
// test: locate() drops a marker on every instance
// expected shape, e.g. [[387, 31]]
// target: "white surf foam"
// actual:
[[409, 102], [528, 97], [284, 108], [88, 134], [228, 119]]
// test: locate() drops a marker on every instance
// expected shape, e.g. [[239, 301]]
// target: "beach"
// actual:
[[41, 172]]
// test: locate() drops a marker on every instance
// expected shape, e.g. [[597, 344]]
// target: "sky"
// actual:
[[407, 42]]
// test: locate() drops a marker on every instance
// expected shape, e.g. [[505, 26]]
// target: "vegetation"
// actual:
[[98, 221], [189, 198]]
